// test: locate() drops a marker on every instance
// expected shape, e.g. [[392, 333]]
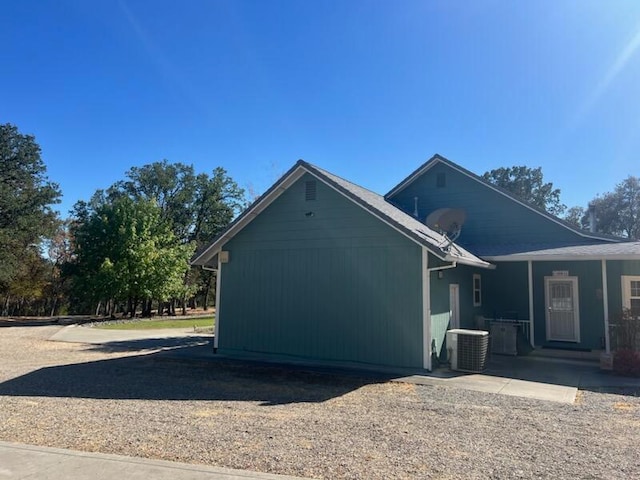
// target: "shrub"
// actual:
[[625, 331], [626, 362]]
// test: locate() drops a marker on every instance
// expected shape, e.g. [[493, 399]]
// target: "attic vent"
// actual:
[[441, 180], [310, 190]]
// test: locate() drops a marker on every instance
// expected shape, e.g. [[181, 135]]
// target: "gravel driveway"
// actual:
[[274, 420]]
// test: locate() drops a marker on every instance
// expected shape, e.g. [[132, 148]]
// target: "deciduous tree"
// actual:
[[527, 184], [26, 197], [618, 212]]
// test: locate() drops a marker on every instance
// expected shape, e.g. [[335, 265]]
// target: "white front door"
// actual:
[[563, 316], [454, 306]]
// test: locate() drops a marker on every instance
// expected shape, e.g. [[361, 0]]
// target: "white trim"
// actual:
[[216, 332], [426, 311], [246, 218], [439, 159], [626, 289], [531, 309], [557, 258], [446, 257], [477, 276], [454, 294], [286, 182], [576, 308], [605, 307]]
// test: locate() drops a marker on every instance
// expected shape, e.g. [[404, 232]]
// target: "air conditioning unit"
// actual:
[[468, 349], [504, 338]]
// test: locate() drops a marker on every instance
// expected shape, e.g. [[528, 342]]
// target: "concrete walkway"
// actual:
[[18, 462], [542, 378], [100, 336]]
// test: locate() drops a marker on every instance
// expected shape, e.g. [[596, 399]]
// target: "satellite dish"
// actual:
[[448, 222]]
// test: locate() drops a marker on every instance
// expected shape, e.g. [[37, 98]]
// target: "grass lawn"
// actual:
[[157, 324]]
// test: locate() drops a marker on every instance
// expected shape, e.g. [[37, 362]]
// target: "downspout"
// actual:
[[531, 319], [443, 267], [426, 311], [217, 270], [605, 306], [426, 307], [217, 316], [216, 332]]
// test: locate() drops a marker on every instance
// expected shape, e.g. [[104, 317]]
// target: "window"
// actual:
[[441, 180], [477, 290], [631, 294], [310, 190]]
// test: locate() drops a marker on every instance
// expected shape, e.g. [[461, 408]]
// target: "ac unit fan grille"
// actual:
[[472, 352]]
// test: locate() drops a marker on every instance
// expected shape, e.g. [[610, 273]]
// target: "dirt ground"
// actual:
[[277, 420]]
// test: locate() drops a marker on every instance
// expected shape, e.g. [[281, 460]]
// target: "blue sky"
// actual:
[[366, 89]]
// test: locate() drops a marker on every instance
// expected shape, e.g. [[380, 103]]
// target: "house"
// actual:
[[322, 269]]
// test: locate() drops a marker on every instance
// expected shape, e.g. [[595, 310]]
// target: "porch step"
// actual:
[[592, 355]]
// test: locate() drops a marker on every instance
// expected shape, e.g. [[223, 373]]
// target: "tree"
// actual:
[[577, 216], [198, 207], [26, 196], [527, 184], [126, 252], [618, 212]]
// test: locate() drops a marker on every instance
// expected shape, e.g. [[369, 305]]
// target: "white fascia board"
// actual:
[[558, 258], [469, 262], [263, 203], [438, 159], [248, 216], [427, 166]]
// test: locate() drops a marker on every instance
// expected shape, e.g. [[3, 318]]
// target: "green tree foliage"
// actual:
[[618, 212], [576, 216], [186, 207], [197, 206], [126, 252], [26, 196], [528, 184]]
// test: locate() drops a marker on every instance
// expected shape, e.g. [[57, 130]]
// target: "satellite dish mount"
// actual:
[[448, 222]]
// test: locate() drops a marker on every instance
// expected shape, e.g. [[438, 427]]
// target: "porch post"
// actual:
[[531, 323], [218, 288], [426, 311], [605, 306]]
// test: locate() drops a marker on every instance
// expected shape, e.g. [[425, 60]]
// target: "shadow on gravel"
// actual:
[[45, 321], [162, 343], [168, 377]]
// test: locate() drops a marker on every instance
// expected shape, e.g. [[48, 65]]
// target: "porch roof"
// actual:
[[523, 252]]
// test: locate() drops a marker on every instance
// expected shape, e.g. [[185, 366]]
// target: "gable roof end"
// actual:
[[436, 159], [373, 203]]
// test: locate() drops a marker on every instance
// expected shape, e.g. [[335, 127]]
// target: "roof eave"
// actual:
[[437, 158], [558, 258]]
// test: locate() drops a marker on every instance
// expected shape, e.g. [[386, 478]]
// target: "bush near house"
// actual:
[[625, 333]]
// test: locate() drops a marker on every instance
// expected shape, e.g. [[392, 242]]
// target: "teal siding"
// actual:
[[591, 304], [491, 217], [339, 285], [506, 291], [615, 270], [440, 307]]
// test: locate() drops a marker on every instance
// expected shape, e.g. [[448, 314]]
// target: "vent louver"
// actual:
[[310, 190]]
